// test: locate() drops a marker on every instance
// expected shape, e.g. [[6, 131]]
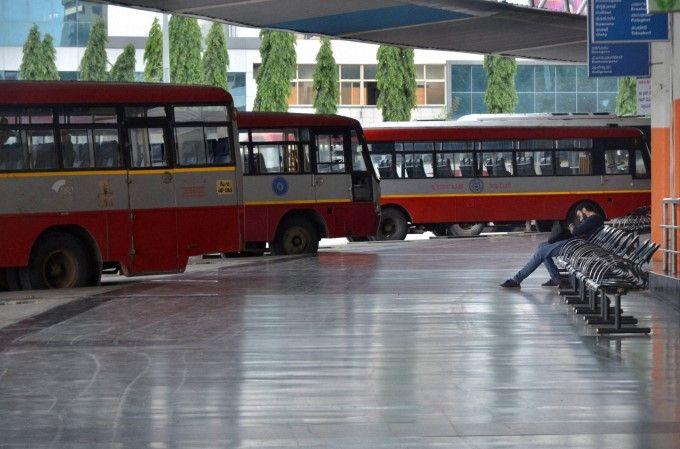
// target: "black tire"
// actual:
[[393, 225], [12, 279], [295, 236], [4, 286], [466, 229], [59, 261], [439, 230]]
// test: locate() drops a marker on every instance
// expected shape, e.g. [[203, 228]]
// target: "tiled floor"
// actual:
[[399, 345]]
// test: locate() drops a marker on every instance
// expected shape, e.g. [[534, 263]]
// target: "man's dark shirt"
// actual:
[[588, 227]]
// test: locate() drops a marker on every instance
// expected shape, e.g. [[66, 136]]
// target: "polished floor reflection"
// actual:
[[399, 345]]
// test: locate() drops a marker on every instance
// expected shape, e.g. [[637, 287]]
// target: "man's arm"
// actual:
[[588, 226]]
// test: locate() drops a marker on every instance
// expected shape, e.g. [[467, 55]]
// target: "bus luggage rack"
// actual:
[[639, 221], [609, 264]]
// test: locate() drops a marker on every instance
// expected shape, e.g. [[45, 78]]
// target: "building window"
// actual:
[[302, 92], [237, 88], [430, 80]]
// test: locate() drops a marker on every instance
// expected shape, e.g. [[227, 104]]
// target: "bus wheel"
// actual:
[[546, 225], [466, 229], [12, 279], [59, 261], [296, 236], [393, 225]]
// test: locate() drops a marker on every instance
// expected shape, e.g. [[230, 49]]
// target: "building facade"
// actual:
[[449, 84]]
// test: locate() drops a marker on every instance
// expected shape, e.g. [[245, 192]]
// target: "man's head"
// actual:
[[588, 209]]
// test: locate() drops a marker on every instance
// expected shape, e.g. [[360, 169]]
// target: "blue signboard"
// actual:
[[625, 21], [618, 59]]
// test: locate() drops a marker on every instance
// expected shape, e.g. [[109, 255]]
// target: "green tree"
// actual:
[[32, 66], [185, 50], [626, 100], [279, 61], [50, 55], [396, 79], [153, 54], [500, 96], [326, 88], [123, 71], [216, 58], [94, 63]]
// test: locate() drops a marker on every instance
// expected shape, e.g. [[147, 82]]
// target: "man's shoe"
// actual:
[[551, 283], [510, 283]]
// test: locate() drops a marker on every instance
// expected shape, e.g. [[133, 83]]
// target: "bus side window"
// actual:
[[41, 151], [12, 150], [616, 162], [330, 153], [147, 148], [640, 165], [574, 157]]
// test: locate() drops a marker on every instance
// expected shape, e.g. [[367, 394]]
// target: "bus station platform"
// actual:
[[374, 345]]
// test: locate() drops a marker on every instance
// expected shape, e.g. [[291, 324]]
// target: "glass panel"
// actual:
[[423, 146], [305, 92], [381, 147], [420, 72], [41, 152], [566, 78], [565, 103], [201, 114], [358, 161], [570, 163], [88, 115], [536, 144], [147, 147], [106, 148], [497, 145], [544, 161], [420, 93], [190, 146], [640, 167], [350, 93], [292, 98], [267, 158], [606, 102], [545, 78], [478, 105], [460, 78], [306, 71], [330, 153], [12, 150], [141, 112], [370, 72], [524, 80], [243, 137], [616, 162], [545, 102], [37, 117], [425, 161], [9, 117], [216, 113], [435, 93], [478, 78], [245, 157], [464, 164], [401, 165], [453, 146], [217, 142], [383, 165], [525, 105], [350, 72], [587, 102], [608, 84], [585, 83], [574, 143], [371, 93], [496, 163], [448, 164], [76, 149], [274, 135], [435, 72], [528, 163]]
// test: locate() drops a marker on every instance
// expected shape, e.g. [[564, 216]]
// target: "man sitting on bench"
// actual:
[[547, 250]]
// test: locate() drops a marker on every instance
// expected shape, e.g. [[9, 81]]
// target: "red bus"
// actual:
[[134, 176], [454, 178], [305, 177]]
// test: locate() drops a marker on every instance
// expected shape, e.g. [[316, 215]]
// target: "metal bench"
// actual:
[[607, 265]]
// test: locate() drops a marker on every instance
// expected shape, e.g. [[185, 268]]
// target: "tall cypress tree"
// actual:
[[396, 83], [32, 66], [185, 50], [93, 65], [216, 58], [279, 61], [626, 99], [153, 54], [123, 70], [325, 85], [50, 55], [500, 96]]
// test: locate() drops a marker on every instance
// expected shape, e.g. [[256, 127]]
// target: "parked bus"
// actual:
[[453, 178], [305, 177], [134, 176]]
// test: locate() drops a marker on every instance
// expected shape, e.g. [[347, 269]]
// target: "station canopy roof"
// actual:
[[476, 26]]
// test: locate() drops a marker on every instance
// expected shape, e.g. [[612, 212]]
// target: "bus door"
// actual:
[[151, 191], [365, 186], [331, 180]]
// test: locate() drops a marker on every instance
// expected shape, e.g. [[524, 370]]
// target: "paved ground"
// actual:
[[400, 345]]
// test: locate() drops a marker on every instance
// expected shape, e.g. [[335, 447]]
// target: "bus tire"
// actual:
[[4, 286], [393, 225], [58, 261], [10, 279], [466, 229], [296, 235], [546, 225]]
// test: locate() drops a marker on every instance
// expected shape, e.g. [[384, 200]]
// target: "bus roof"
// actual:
[[23, 93], [496, 133], [288, 119]]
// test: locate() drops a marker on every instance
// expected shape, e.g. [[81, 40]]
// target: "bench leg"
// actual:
[[619, 321]]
